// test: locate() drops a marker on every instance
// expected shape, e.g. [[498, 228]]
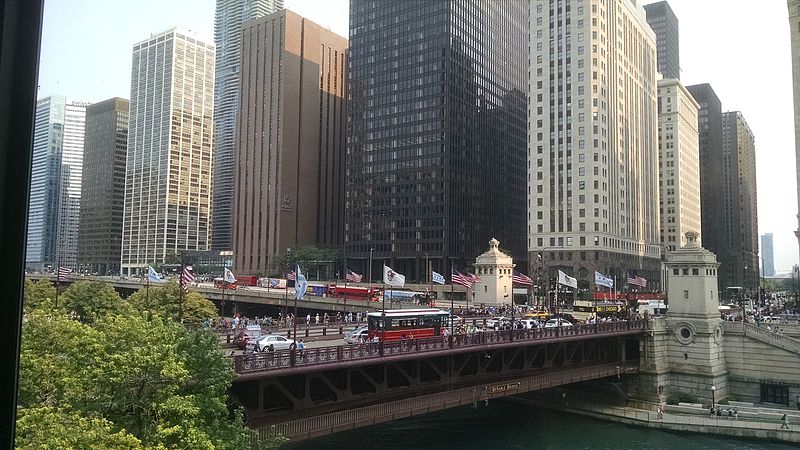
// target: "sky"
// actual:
[[740, 47]]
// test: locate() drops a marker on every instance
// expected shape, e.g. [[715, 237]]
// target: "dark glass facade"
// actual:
[[436, 139], [665, 25]]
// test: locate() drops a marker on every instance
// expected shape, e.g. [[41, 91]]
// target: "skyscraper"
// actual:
[[739, 264], [767, 255], [665, 25], [679, 163], [436, 133], [794, 27], [103, 186], [228, 20], [593, 142], [289, 140], [168, 170], [712, 187], [56, 183]]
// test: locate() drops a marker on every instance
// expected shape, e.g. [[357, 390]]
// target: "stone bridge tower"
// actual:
[[496, 270], [684, 353]]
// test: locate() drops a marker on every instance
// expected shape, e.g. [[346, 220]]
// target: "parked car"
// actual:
[[496, 322], [530, 324], [355, 336], [555, 323], [263, 343]]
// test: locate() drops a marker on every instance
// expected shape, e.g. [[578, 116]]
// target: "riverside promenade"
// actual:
[[756, 422]]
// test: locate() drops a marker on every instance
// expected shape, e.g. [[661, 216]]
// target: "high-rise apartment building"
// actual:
[[436, 133], [712, 187], [103, 187], [228, 20], [55, 197], [168, 170], [794, 27], [739, 264], [665, 25], [593, 140], [767, 255], [290, 140], [679, 164]]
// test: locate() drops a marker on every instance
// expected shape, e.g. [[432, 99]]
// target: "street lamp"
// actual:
[[713, 396], [370, 266]]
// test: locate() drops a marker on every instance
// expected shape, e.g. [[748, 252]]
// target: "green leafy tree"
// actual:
[[47, 427], [91, 300], [309, 257], [164, 300], [126, 382], [37, 292]]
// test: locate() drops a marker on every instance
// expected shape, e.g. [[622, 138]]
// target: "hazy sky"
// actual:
[[741, 47]]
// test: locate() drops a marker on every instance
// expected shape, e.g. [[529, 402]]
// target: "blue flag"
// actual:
[[300, 284], [602, 280], [152, 275], [437, 278]]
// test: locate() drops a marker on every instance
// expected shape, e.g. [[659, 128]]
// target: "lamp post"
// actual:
[[713, 396], [427, 269], [370, 266], [224, 281]]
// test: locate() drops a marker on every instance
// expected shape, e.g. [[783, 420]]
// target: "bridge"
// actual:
[[249, 295], [329, 389]]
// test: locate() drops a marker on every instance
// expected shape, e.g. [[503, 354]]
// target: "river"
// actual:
[[506, 424]]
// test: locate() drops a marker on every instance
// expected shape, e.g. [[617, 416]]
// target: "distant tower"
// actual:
[[665, 25], [290, 140], [678, 162], [740, 260], [55, 196], [496, 270], [168, 170], [767, 255], [228, 20], [103, 187]]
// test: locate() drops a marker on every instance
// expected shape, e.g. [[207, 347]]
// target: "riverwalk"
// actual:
[[757, 421]]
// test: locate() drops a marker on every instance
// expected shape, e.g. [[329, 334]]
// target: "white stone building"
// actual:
[[496, 270]]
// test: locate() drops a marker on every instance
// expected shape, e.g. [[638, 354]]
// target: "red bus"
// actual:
[[354, 293], [406, 323], [246, 280]]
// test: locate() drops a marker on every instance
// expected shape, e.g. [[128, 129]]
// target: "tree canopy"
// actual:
[[164, 300], [91, 300], [123, 381]]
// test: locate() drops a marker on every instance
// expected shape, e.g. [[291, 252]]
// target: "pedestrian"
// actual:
[[308, 319], [300, 347], [316, 319], [735, 414], [784, 422], [660, 411]]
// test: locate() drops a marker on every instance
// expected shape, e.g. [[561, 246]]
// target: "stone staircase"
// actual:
[[769, 337]]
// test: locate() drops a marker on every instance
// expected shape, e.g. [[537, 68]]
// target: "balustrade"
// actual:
[[251, 363]]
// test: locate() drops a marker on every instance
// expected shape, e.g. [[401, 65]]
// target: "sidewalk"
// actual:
[[723, 425]]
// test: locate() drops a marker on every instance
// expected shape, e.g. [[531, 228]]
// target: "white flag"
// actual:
[[567, 280], [393, 278], [300, 284], [229, 276]]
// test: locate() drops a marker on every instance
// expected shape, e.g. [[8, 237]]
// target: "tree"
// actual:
[[37, 292], [164, 300], [309, 257], [122, 381], [91, 300]]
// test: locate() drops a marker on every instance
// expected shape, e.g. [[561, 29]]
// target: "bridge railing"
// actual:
[[251, 363]]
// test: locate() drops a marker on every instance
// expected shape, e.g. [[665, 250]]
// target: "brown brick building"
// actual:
[[290, 140]]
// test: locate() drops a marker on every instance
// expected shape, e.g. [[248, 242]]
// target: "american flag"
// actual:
[[187, 278], [475, 279], [521, 278], [291, 275], [457, 277], [352, 276], [63, 272], [637, 281]]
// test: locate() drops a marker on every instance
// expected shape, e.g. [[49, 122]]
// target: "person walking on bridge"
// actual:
[[784, 422]]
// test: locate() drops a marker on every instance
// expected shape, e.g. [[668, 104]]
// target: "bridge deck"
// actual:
[[286, 362]]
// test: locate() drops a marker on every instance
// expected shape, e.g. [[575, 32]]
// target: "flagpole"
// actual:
[[180, 292]]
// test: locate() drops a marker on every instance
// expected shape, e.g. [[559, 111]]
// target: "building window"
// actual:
[[774, 393]]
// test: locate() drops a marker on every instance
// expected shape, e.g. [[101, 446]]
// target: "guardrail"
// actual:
[[252, 363]]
